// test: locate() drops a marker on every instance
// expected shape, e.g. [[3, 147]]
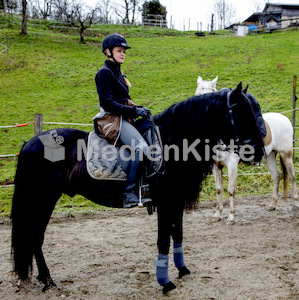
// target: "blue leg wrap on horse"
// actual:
[[162, 269], [178, 255]]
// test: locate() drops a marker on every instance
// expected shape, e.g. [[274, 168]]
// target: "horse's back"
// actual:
[[39, 160], [282, 131], [69, 137]]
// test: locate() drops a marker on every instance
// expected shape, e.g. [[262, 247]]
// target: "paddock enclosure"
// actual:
[[109, 255]]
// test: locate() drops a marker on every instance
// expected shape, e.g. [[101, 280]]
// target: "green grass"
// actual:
[[50, 72]]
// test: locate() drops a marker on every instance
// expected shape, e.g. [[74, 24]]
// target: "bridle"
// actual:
[[232, 120]]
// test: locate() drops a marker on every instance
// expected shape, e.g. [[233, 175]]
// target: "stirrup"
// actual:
[[144, 200]]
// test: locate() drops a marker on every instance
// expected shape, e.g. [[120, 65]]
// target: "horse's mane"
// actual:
[[201, 109], [199, 117]]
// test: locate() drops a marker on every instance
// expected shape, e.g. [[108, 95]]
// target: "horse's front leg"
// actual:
[[217, 171], [177, 235], [232, 168], [164, 233]]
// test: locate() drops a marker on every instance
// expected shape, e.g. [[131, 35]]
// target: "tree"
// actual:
[[127, 11], [224, 11], [135, 4], [75, 15], [152, 11], [44, 8], [3, 6], [12, 7], [105, 8]]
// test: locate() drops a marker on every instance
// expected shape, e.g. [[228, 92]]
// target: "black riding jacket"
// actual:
[[113, 91]]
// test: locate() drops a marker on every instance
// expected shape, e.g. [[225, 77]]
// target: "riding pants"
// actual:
[[129, 135]]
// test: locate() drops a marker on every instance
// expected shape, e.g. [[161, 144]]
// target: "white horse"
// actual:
[[279, 139], [204, 86]]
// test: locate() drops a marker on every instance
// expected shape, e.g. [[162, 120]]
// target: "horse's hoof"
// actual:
[[168, 287], [23, 283], [230, 222], [271, 208], [49, 283], [183, 271], [216, 219], [295, 208]]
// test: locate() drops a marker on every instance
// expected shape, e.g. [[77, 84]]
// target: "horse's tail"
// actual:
[[21, 247], [285, 178], [33, 201]]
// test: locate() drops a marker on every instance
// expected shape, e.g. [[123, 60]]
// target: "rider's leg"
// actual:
[[130, 136]]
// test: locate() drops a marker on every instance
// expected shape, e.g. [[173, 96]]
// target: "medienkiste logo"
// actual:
[[53, 151]]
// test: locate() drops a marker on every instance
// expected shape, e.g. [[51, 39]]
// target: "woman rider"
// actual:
[[113, 91]]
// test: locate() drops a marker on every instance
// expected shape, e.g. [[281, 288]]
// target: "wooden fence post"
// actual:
[[294, 108], [38, 124]]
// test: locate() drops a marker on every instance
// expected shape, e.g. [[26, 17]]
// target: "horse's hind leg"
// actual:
[[41, 224], [287, 160], [30, 216], [43, 271], [272, 166]]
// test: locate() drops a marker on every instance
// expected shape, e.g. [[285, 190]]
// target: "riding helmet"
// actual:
[[114, 40]]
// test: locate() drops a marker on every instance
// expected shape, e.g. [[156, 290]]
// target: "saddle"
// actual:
[[104, 160]]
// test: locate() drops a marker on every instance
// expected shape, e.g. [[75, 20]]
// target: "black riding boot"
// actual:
[[131, 197]]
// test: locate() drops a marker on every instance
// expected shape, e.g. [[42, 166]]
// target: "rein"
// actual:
[[229, 106]]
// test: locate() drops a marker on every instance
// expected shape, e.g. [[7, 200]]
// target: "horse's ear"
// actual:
[[246, 89], [215, 81], [238, 89], [199, 80]]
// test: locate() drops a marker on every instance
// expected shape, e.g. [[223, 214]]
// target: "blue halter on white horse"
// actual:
[[279, 139]]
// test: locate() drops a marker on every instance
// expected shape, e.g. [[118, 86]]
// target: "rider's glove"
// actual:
[[147, 109], [142, 112]]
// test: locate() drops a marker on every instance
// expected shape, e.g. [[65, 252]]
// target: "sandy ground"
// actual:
[[109, 255]]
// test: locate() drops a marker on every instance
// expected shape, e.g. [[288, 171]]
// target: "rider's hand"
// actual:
[[140, 111], [147, 109]]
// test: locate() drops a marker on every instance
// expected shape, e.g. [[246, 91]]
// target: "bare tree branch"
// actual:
[[224, 11], [259, 4], [76, 15]]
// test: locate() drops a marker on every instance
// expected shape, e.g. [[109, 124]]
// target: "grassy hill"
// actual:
[[50, 72]]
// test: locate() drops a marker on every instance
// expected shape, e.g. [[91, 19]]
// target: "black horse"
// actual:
[[192, 127]]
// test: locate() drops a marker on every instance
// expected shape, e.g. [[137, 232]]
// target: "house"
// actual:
[[275, 16], [289, 12]]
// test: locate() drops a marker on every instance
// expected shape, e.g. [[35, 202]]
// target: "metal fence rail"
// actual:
[[5, 45]]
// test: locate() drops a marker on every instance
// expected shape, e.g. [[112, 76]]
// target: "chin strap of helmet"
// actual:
[[111, 55], [128, 83]]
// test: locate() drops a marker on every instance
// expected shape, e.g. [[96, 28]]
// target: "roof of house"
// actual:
[[256, 16], [282, 6]]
